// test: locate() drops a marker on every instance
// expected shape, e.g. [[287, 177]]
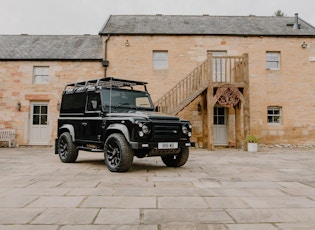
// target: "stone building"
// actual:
[[230, 76]]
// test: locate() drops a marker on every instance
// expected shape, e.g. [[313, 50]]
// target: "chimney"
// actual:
[[296, 25]]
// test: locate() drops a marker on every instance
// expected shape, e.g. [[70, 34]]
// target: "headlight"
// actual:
[[145, 129], [184, 129]]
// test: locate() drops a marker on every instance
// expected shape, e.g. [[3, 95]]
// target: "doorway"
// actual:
[[220, 126], [39, 126]]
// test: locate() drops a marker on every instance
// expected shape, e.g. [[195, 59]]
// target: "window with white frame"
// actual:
[[274, 115], [160, 60], [273, 60], [40, 74]]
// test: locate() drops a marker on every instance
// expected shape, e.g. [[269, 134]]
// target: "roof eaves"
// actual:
[[212, 34]]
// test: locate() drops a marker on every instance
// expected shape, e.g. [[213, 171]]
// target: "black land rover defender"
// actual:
[[114, 116]]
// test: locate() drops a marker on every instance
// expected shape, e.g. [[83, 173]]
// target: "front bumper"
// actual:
[[155, 145]]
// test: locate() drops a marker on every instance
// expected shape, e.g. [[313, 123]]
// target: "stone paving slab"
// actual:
[[226, 189]]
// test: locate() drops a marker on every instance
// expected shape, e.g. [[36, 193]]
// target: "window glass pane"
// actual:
[[43, 120], [36, 109], [272, 65], [160, 59], [221, 120], [35, 119], [221, 111], [43, 109]]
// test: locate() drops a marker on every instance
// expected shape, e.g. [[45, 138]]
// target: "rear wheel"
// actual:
[[67, 150], [118, 154], [176, 160]]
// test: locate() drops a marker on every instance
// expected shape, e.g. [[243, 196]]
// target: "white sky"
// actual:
[[88, 16]]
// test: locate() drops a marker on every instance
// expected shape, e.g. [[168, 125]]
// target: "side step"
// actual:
[[89, 149]]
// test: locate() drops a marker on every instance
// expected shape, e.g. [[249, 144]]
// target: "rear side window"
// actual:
[[73, 103], [94, 102]]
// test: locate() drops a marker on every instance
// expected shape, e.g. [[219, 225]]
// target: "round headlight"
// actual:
[[145, 129], [184, 129], [141, 134]]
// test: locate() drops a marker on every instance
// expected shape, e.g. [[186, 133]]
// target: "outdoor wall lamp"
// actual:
[[18, 106], [58, 106], [199, 108], [127, 43], [304, 45]]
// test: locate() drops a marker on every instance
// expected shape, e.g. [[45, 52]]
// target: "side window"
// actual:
[[160, 60], [273, 60], [40, 74], [274, 116], [73, 103], [94, 102]]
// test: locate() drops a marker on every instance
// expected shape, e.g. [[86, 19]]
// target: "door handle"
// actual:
[[84, 123]]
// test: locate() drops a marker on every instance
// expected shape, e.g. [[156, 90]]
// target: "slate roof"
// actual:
[[205, 25], [50, 47]]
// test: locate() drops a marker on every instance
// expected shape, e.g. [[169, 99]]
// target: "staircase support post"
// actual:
[[210, 106]]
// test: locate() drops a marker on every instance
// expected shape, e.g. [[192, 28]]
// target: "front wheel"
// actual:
[[118, 154], [176, 160], [67, 150]]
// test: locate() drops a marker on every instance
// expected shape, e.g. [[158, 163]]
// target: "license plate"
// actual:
[[168, 145]]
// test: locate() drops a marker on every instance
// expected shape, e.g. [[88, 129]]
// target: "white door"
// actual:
[[39, 126], [218, 66], [220, 126]]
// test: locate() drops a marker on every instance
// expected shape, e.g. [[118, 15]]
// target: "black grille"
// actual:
[[164, 131]]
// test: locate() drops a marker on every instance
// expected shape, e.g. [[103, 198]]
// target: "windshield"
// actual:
[[121, 99]]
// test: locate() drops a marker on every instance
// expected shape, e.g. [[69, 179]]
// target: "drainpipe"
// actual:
[[105, 62]]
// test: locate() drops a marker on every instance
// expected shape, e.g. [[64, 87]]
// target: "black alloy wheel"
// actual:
[[118, 154], [67, 150]]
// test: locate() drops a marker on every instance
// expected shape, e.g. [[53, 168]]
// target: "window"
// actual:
[[219, 116], [94, 102], [160, 60], [273, 60], [40, 74], [274, 115]]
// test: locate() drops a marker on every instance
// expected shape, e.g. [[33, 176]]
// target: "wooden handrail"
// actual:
[[223, 69]]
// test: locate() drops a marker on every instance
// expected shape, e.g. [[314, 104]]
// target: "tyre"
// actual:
[[118, 154], [176, 160], [67, 150]]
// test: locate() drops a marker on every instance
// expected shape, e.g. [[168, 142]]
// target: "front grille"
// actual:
[[164, 131]]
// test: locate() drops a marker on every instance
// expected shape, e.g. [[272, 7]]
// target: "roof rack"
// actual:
[[108, 82]]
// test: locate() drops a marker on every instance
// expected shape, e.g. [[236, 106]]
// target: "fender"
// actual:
[[70, 129], [122, 128]]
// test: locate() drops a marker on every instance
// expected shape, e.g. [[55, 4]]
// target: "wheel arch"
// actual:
[[67, 128], [118, 128]]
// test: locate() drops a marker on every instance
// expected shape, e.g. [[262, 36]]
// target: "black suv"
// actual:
[[114, 116]]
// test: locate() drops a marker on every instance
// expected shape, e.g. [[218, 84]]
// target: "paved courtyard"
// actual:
[[226, 189]]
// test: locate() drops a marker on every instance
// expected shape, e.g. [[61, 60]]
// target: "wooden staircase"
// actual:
[[185, 91], [214, 70]]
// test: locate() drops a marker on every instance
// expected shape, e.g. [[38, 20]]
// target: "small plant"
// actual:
[[252, 139]]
